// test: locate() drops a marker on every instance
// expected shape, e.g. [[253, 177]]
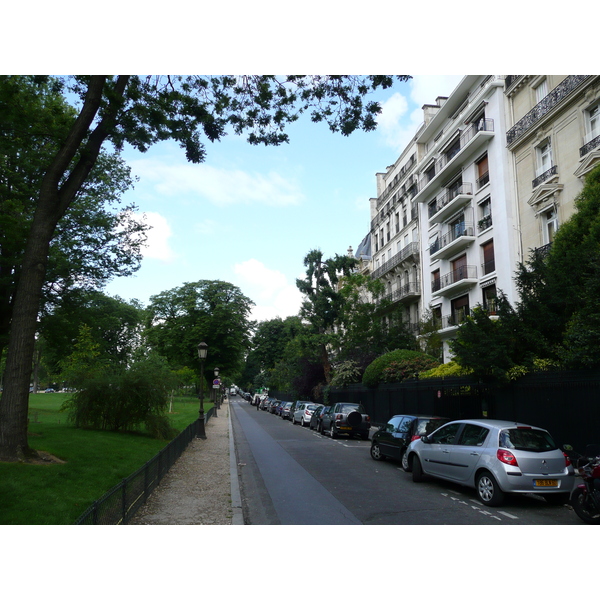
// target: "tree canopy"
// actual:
[[141, 111]]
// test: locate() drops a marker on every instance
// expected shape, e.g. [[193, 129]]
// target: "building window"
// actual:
[[490, 302], [483, 173], [544, 158], [541, 91], [460, 310], [397, 222], [592, 125], [459, 268], [485, 215], [376, 242], [430, 172], [489, 264], [453, 149], [435, 281], [550, 225], [387, 229]]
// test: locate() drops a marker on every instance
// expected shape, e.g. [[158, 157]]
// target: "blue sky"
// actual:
[[249, 214]]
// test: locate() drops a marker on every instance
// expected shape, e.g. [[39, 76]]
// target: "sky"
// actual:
[[248, 215]]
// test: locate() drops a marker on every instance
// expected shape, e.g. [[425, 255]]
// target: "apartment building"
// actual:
[[394, 236], [553, 140], [466, 212]]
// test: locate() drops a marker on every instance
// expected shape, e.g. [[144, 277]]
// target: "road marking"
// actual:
[[508, 515]]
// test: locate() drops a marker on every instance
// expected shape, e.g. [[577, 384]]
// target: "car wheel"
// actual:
[[376, 452], [405, 463], [583, 508], [303, 422], [417, 470], [333, 432], [487, 489]]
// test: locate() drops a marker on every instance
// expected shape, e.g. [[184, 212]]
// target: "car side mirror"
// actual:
[[425, 439]]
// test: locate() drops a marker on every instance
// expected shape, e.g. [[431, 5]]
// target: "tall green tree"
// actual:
[[142, 111], [324, 303], [214, 312]]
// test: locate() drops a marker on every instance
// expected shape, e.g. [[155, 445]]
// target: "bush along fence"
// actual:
[[566, 403], [120, 503]]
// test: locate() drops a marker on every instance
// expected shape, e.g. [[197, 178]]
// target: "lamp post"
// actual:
[[216, 391], [202, 352]]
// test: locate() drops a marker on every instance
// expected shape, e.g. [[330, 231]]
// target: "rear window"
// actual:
[[348, 408], [532, 440], [310, 407]]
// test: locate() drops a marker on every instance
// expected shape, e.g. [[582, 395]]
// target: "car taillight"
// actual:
[[367, 418], [415, 437], [507, 457], [567, 461], [338, 417]]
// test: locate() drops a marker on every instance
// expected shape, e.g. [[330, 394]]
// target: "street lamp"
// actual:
[[202, 352], [217, 391]]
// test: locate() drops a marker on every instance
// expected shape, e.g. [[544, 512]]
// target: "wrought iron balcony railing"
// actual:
[[464, 189], [411, 249], [542, 108], [545, 176], [593, 143], [466, 272]]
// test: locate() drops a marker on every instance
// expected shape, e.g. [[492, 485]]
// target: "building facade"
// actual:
[[553, 140]]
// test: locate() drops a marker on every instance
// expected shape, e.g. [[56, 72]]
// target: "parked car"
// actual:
[[273, 404], [495, 458], [285, 410], [393, 438], [264, 403], [315, 418], [304, 413], [348, 418]]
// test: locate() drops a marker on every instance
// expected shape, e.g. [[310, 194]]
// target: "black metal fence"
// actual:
[[565, 403], [120, 503]]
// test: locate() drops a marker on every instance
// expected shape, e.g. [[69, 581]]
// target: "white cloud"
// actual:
[[273, 294], [219, 186], [157, 245]]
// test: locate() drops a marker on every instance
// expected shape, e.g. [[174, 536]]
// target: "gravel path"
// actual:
[[201, 488]]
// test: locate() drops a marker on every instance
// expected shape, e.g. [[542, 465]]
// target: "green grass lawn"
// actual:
[[95, 461]]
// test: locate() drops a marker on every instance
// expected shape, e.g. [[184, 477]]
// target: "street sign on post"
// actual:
[[216, 384]]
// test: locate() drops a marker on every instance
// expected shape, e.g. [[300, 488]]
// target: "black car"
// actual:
[[392, 439], [347, 418], [315, 419]]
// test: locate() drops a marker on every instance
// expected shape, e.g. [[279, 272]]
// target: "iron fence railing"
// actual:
[[120, 503]]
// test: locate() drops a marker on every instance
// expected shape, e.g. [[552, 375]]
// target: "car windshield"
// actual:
[[533, 440]]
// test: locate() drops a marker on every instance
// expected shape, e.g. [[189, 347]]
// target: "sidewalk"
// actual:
[[202, 487]]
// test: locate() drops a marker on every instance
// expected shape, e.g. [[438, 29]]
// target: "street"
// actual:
[[291, 475]]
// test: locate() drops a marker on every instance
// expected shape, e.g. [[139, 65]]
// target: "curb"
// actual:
[[236, 497]]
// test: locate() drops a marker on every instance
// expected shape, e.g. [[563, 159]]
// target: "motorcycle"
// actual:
[[585, 498]]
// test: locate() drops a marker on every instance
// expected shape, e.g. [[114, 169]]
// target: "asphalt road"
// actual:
[[291, 475]]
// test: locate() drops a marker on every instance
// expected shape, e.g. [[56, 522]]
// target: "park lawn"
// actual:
[[95, 461]]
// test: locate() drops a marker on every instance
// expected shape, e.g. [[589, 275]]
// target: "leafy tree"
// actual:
[[271, 338], [323, 304], [215, 312], [368, 329], [142, 111], [114, 324]]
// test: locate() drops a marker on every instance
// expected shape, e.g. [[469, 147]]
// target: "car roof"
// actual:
[[500, 424]]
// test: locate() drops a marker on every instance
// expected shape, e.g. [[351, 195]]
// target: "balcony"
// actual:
[[484, 223], [458, 238], [411, 250], [470, 141], [459, 279], [456, 318], [545, 107], [409, 291], [545, 176], [448, 202], [589, 146]]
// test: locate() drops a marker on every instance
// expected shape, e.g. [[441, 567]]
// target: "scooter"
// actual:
[[585, 498]]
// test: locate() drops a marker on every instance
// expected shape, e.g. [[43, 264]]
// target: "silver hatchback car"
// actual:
[[495, 458]]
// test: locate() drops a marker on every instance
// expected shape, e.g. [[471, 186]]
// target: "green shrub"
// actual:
[[449, 369], [125, 401], [397, 366]]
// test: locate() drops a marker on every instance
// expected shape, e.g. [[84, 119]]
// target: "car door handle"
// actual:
[[446, 451], [474, 453]]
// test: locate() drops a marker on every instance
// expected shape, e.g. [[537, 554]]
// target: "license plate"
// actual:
[[345, 428], [546, 483]]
